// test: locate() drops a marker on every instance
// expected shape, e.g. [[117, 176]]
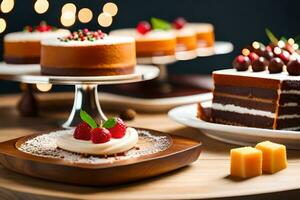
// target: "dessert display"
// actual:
[[262, 89], [204, 33], [88, 53], [151, 40], [267, 157], [24, 47]]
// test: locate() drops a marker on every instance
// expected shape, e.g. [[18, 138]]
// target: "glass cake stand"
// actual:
[[86, 88]]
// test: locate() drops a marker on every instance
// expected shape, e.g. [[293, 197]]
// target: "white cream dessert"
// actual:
[[114, 146], [24, 47], [152, 43]]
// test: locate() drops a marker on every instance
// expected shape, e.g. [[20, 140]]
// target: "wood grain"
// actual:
[[205, 178]]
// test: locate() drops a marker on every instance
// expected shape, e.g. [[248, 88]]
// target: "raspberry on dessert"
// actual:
[[118, 130], [241, 63], [82, 132], [143, 27], [179, 23], [100, 135], [284, 56]]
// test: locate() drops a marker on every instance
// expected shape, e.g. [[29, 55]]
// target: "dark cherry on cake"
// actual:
[[259, 64], [90, 130], [275, 65], [179, 23], [293, 67], [241, 63]]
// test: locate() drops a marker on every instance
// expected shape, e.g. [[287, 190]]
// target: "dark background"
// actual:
[[237, 21]]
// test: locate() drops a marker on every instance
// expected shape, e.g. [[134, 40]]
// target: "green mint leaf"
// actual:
[[88, 119], [111, 122], [159, 24], [271, 36]]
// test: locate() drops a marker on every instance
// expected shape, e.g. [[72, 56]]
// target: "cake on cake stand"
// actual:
[[166, 91], [86, 88]]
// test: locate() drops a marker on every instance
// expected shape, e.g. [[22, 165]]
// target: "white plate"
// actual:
[[233, 134]]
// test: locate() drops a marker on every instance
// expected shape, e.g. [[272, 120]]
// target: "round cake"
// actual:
[[24, 47], [204, 32], [88, 53], [152, 43]]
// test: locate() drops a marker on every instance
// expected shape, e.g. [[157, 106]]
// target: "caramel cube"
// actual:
[[245, 162], [274, 156]]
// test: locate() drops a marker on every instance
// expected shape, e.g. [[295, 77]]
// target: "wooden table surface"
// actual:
[[206, 178]]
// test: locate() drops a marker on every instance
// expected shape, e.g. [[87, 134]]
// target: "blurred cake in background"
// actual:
[[185, 37], [204, 33], [151, 40], [24, 47], [88, 53]]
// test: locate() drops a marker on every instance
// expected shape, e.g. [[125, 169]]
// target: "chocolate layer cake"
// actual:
[[256, 99], [88, 53]]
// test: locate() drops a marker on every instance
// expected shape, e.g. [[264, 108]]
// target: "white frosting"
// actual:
[[297, 92], [67, 142], [35, 36], [200, 27], [242, 110], [107, 40], [184, 32], [290, 104], [152, 35], [264, 74]]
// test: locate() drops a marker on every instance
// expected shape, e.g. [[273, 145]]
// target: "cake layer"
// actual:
[[245, 103], [21, 60], [239, 119], [249, 92], [108, 56]]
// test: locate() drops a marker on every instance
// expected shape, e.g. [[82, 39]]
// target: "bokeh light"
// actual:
[[2, 25], [110, 8], [85, 15], [245, 52], [7, 5], [44, 87], [68, 14], [105, 19], [41, 6]]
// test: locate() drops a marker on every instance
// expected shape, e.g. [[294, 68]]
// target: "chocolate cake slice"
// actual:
[[256, 99]]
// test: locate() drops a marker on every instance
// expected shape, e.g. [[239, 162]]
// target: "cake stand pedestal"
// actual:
[[86, 92], [176, 90]]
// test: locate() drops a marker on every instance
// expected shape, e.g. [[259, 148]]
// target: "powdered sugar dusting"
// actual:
[[45, 146]]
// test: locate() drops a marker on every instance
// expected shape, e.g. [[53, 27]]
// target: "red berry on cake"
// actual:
[[241, 63], [82, 132], [116, 127], [293, 67], [284, 56], [143, 27], [253, 56], [100, 135], [275, 65], [179, 23]]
